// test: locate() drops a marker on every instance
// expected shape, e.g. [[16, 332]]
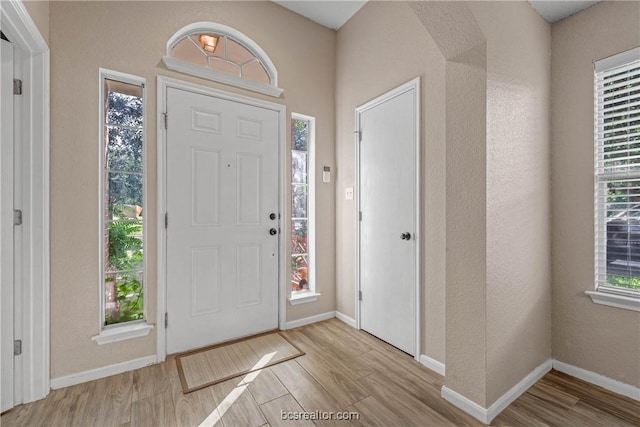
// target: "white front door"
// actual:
[[6, 227], [222, 204], [388, 227]]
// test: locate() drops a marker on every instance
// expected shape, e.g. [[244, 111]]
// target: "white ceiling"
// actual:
[[553, 11], [334, 13]]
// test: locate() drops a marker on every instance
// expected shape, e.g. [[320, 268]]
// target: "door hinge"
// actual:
[[166, 219], [17, 87], [166, 320], [165, 117], [359, 132], [17, 217], [17, 347], [360, 215], [360, 295]]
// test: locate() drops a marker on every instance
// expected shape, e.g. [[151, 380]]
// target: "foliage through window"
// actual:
[[123, 200], [617, 173], [302, 186]]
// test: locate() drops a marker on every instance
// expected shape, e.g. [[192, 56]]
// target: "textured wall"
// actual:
[[599, 338], [403, 49], [131, 37], [497, 180], [518, 293]]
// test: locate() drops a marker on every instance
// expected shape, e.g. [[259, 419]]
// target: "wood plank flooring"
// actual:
[[343, 370]]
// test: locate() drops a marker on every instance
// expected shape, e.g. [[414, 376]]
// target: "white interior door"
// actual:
[[388, 225], [222, 204], [6, 227]]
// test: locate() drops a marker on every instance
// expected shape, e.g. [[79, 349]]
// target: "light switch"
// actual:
[[348, 193]]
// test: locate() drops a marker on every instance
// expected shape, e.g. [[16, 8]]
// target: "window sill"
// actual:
[[303, 298], [613, 300], [122, 333]]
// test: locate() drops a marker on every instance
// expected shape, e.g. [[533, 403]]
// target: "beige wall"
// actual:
[[486, 166], [518, 291], [403, 49], [39, 12], [131, 37], [598, 338]]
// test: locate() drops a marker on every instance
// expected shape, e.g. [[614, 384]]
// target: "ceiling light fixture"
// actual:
[[209, 42]]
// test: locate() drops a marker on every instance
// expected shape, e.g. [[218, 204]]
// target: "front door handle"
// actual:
[[405, 236], [273, 231]]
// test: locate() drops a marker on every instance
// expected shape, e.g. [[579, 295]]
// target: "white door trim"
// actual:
[[163, 84], [409, 86], [23, 33]]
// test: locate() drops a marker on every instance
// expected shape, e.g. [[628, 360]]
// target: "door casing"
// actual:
[[163, 83], [32, 52], [414, 85]]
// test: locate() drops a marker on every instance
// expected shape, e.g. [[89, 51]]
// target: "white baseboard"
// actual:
[[468, 406], [311, 319], [106, 371], [346, 319], [486, 415], [433, 364], [610, 384], [517, 390]]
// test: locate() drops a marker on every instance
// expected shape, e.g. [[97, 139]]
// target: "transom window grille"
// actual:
[[226, 55], [302, 205], [617, 173], [122, 201], [220, 53]]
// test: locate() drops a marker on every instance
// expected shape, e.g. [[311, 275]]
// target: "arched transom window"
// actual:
[[223, 54]]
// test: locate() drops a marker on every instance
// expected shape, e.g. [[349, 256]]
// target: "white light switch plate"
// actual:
[[348, 193]]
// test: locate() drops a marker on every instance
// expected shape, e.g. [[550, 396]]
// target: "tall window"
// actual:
[[617, 174], [302, 206], [122, 166]]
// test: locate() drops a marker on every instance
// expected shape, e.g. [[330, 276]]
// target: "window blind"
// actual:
[[617, 173]]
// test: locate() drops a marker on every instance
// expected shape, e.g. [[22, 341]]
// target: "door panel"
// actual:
[[222, 184], [388, 204], [6, 227]]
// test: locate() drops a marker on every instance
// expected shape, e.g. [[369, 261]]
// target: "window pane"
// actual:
[[123, 297], [299, 167], [125, 189], [299, 201], [124, 148], [299, 237], [300, 136], [124, 109], [238, 53], [125, 245], [299, 273], [224, 66], [623, 234], [256, 72]]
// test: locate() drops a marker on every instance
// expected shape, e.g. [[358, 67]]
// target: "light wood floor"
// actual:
[[343, 370]]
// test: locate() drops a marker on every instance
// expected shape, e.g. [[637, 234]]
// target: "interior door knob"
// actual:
[[273, 231], [405, 236]]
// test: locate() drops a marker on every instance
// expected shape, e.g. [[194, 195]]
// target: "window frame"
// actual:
[[602, 294], [181, 66], [310, 295], [135, 328]]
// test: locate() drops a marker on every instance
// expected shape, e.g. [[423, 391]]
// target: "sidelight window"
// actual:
[[122, 198], [302, 207]]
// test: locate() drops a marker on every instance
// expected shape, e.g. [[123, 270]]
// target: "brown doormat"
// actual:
[[211, 365]]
